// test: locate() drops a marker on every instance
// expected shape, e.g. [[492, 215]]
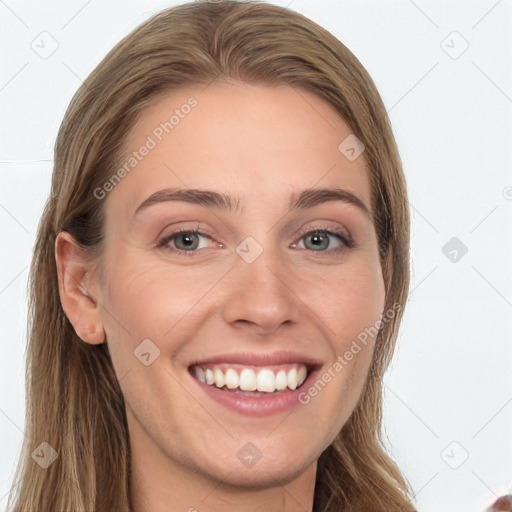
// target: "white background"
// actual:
[[449, 391]]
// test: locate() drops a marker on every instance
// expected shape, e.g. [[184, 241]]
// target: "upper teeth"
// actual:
[[246, 379]]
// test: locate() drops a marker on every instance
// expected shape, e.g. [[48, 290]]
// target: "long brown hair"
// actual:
[[74, 401]]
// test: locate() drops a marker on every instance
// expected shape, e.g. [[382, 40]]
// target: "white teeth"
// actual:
[[281, 380], [231, 378], [248, 380], [218, 378], [301, 375], [266, 381], [200, 374], [292, 378]]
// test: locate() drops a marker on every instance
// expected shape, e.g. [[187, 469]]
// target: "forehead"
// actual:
[[249, 141]]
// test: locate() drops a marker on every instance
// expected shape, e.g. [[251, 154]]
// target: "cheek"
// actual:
[[148, 299], [349, 306], [347, 300]]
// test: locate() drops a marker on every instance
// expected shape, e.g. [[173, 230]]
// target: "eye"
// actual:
[[320, 240], [184, 241]]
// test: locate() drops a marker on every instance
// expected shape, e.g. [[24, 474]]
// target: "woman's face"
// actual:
[[252, 299]]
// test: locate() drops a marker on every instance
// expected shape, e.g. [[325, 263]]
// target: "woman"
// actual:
[[219, 276]]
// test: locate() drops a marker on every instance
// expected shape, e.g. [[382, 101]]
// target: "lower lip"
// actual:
[[264, 405]]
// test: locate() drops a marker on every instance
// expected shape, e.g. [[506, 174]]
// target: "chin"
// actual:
[[263, 473]]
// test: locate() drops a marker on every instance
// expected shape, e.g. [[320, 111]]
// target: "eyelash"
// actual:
[[346, 242]]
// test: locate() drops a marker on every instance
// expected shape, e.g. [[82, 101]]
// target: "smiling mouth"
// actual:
[[251, 380]]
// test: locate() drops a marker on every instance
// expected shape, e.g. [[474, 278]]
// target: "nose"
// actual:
[[260, 295]]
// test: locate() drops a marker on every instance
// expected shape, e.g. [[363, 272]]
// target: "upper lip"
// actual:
[[262, 359]]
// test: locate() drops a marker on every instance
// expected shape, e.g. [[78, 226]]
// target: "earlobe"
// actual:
[[74, 277]]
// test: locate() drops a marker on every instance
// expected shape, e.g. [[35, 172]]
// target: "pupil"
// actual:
[[188, 240], [317, 239]]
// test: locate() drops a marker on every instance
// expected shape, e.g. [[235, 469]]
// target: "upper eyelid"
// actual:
[[201, 229]]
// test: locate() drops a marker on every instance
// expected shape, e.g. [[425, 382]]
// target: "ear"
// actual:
[[75, 285]]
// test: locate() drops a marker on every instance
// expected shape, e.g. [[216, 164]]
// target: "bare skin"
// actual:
[[261, 145]]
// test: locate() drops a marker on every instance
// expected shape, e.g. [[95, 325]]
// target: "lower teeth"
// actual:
[[249, 393], [254, 393]]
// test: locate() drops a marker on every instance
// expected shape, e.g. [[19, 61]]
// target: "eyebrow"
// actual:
[[210, 199]]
